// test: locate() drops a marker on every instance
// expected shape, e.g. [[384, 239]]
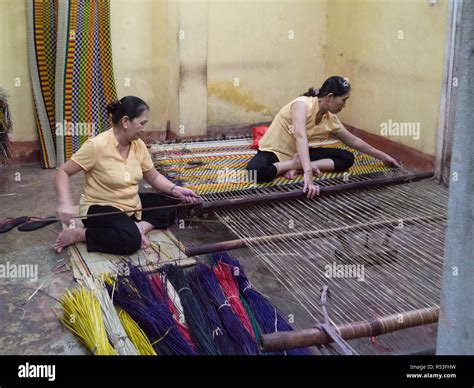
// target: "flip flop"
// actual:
[[34, 223], [10, 223]]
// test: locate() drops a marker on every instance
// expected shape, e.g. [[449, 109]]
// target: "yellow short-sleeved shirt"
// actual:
[[279, 137], [109, 179]]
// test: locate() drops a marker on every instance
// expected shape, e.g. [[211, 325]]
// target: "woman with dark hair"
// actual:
[[114, 163], [286, 148]]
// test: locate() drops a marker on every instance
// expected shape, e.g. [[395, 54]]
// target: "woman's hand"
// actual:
[[309, 185], [388, 160], [186, 195], [65, 214]]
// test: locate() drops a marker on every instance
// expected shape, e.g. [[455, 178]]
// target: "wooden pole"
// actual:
[[194, 250], [256, 199], [168, 130], [284, 340]]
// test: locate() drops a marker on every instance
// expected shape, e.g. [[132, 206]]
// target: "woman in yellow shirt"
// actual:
[[114, 163], [286, 146]]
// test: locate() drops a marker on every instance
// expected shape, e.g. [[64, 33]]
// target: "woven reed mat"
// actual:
[[219, 166], [164, 249]]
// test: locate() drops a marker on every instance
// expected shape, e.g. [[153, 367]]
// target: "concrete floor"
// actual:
[[29, 326]]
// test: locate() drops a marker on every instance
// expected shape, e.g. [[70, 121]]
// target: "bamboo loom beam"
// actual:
[[285, 340], [195, 250], [256, 199]]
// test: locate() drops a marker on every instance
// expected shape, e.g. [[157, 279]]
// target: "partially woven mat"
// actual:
[[164, 249], [219, 166], [202, 148]]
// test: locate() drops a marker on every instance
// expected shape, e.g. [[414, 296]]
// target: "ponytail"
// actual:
[[337, 86]]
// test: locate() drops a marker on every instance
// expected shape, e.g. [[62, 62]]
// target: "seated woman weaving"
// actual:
[[114, 163], [286, 146]]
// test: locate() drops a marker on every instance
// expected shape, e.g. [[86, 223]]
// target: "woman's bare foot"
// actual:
[[316, 171], [68, 237], [145, 241], [291, 174]]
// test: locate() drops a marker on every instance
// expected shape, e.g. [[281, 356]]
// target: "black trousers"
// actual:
[[118, 233], [262, 163]]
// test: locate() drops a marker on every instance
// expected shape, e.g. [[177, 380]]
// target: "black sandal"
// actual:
[[9, 223], [34, 223]]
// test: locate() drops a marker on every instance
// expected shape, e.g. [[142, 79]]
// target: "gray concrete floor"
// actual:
[[28, 324]]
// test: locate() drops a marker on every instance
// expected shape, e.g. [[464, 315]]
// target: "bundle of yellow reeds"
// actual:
[[136, 334], [83, 316]]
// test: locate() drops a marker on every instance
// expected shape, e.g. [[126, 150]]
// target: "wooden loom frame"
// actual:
[[280, 341], [256, 199], [208, 207]]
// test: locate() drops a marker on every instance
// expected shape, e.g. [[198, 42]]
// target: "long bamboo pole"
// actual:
[[284, 340], [194, 250]]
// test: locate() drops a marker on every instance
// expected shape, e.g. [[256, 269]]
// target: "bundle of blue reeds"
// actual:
[[243, 342], [220, 335], [197, 322], [267, 316], [134, 294], [165, 290]]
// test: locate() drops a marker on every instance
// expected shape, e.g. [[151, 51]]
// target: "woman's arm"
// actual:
[[63, 189], [298, 118], [354, 142], [160, 183]]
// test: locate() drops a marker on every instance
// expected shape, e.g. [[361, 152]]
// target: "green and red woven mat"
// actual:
[[221, 168]]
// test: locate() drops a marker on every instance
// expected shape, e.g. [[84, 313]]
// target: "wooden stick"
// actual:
[[195, 250], [168, 130], [299, 194], [284, 340]]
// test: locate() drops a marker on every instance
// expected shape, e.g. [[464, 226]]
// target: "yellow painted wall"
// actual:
[[140, 49], [192, 49], [392, 78], [14, 70], [249, 43]]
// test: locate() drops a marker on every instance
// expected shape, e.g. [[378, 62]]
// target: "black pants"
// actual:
[[118, 233], [262, 163]]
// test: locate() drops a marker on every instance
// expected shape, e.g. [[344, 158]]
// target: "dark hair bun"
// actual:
[[129, 106], [312, 92], [336, 85], [113, 107]]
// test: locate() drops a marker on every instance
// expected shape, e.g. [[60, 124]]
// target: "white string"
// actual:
[[226, 304], [411, 281]]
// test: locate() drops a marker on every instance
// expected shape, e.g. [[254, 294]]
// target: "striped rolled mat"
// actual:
[[42, 63], [84, 72], [72, 73]]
